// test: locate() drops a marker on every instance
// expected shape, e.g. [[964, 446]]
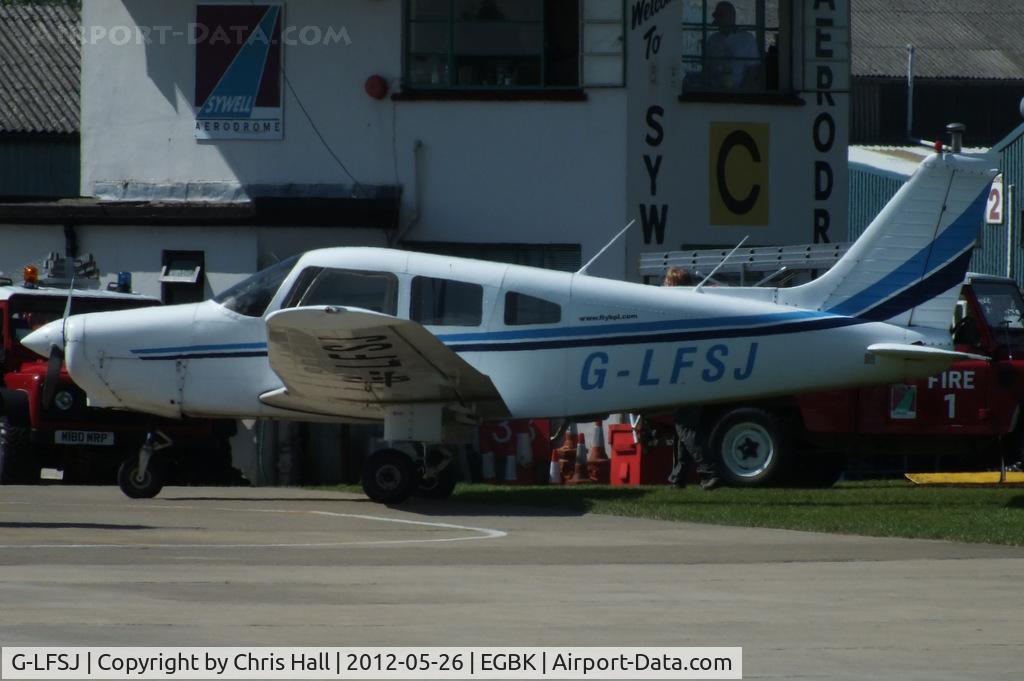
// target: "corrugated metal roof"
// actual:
[[40, 66], [952, 38]]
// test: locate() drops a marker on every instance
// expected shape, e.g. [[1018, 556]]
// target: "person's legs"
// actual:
[[680, 457], [695, 444]]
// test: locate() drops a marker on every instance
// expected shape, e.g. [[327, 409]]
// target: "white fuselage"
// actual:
[[616, 346]]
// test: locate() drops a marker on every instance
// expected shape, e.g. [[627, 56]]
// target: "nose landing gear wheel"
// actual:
[[135, 486], [388, 476], [141, 477]]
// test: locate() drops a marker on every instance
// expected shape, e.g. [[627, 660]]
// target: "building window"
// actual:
[[374, 291], [521, 310], [442, 302], [732, 46], [182, 277], [492, 44]]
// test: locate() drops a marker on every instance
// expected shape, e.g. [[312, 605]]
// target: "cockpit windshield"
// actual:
[[252, 296], [1001, 304]]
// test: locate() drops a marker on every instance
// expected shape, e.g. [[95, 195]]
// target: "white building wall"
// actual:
[[26, 245], [527, 172]]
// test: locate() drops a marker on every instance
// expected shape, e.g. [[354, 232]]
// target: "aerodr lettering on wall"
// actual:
[[738, 173]]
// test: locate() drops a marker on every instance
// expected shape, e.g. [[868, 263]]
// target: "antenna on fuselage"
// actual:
[[719, 265], [583, 270]]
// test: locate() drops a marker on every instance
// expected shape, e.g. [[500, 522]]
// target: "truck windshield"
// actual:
[[252, 296], [1002, 306]]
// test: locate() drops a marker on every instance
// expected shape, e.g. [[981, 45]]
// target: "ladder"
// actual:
[[750, 265]]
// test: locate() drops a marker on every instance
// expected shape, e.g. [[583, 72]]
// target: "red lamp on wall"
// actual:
[[377, 87]]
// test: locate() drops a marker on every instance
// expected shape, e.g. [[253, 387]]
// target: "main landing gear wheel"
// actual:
[[389, 476], [17, 464], [751, 448], [441, 486]]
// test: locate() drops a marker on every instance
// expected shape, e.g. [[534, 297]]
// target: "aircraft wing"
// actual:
[[355, 363]]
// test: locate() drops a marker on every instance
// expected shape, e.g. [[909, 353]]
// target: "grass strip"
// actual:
[[874, 508]]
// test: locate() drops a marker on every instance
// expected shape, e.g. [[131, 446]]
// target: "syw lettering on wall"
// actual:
[[654, 216]]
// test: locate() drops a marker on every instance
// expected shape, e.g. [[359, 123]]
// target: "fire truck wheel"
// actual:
[[439, 487], [134, 487], [388, 476], [16, 462], [750, 448]]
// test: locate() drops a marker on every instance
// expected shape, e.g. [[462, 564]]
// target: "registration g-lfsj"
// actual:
[[431, 346]]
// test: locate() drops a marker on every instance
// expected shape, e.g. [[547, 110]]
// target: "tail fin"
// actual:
[[908, 265]]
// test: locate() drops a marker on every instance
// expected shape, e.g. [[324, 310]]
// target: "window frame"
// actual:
[[308, 277], [413, 298], [782, 93], [520, 294], [413, 90]]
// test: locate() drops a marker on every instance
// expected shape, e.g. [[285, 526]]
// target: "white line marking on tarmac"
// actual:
[[482, 532]]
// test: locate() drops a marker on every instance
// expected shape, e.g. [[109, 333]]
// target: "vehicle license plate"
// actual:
[[83, 437]]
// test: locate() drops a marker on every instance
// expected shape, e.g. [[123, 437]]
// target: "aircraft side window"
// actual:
[[521, 309], [442, 302], [375, 291]]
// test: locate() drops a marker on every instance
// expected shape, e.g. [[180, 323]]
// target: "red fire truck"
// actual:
[[966, 418], [87, 444]]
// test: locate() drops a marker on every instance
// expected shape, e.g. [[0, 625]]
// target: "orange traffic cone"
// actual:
[[555, 469], [571, 438], [599, 466], [597, 450], [580, 474]]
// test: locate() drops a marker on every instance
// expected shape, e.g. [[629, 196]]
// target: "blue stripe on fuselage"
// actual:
[[721, 325], [958, 236], [188, 349], [818, 324], [935, 284]]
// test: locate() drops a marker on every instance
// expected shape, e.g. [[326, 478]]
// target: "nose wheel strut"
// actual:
[[142, 477]]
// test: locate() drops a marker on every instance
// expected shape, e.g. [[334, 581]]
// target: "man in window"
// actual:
[[731, 55]]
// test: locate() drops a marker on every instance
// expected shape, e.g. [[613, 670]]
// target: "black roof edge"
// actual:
[[26, 136], [379, 213]]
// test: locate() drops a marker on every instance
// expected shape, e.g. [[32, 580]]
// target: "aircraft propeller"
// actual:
[[56, 359]]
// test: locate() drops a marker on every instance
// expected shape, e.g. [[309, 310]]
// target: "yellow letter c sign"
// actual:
[[738, 173]]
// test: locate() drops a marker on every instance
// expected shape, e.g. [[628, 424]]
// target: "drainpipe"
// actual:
[[910, 93], [414, 219], [1010, 241]]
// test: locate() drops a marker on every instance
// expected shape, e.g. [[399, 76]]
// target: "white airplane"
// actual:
[[433, 345]]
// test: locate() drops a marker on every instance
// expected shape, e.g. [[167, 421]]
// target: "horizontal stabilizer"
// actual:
[[920, 353], [918, 360]]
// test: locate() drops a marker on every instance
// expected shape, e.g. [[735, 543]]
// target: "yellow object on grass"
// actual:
[[979, 478]]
